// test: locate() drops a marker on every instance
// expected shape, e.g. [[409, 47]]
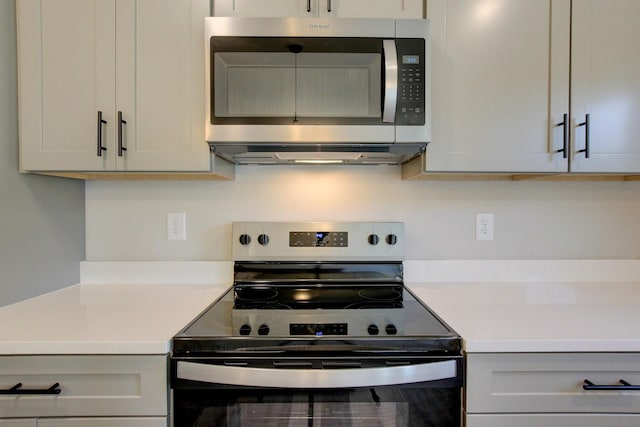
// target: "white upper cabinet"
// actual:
[[605, 79], [371, 8], [493, 64], [501, 75], [320, 8], [265, 8], [66, 51], [160, 85], [112, 85]]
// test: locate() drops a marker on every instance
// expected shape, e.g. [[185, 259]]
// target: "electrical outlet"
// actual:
[[484, 226], [177, 226]]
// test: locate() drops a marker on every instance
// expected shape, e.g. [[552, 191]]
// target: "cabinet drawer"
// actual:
[[551, 382], [552, 420], [90, 386], [102, 422], [30, 422]]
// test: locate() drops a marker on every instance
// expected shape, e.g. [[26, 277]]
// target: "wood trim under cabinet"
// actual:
[[140, 176]]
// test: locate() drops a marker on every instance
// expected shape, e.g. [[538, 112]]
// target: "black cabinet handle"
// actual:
[[101, 121], [308, 5], [121, 147], [587, 141], [565, 136], [17, 389], [329, 6], [588, 385]]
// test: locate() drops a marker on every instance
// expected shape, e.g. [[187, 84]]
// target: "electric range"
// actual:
[[318, 313]]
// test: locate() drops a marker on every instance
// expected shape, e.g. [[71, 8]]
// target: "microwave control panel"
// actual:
[[410, 109]]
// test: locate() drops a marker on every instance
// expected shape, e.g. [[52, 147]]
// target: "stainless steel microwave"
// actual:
[[283, 90]]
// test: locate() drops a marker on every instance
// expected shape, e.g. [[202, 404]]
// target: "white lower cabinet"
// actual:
[[122, 390], [102, 422], [534, 389], [29, 422], [552, 420]]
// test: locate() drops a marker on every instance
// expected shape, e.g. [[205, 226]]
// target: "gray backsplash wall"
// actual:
[[41, 218], [533, 219]]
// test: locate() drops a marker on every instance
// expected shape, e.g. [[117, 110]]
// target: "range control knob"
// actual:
[[263, 329], [263, 239], [244, 239], [245, 329], [373, 239], [373, 330], [391, 329], [392, 239]]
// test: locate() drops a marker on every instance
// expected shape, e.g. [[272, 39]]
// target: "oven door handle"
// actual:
[[390, 81], [316, 378]]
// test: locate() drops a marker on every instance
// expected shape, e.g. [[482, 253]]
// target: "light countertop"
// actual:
[[136, 308], [103, 319], [539, 316], [534, 305], [120, 308]]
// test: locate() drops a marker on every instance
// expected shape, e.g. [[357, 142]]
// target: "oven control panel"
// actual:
[[378, 322], [318, 241], [318, 329], [339, 239]]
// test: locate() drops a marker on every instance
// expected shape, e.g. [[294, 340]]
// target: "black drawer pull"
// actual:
[[587, 139], [565, 136], [588, 385], [101, 122], [17, 389]]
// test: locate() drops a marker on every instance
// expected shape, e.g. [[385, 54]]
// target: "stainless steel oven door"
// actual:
[[395, 396]]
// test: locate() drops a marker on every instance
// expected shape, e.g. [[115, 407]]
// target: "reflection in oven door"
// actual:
[[421, 404]]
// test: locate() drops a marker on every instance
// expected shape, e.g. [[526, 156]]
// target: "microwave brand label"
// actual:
[[319, 26]]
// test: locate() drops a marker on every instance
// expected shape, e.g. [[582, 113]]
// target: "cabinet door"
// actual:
[[66, 75], [500, 85], [265, 8], [551, 383], [321, 8], [605, 85], [160, 85], [371, 8], [101, 422], [27, 422], [90, 385], [552, 420]]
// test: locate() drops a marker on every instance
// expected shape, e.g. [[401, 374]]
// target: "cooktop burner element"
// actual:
[[316, 286]]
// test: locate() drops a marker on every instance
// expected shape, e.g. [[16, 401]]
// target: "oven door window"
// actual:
[[421, 404]]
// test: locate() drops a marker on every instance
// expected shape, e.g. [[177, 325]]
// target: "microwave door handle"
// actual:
[[316, 378], [390, 81]]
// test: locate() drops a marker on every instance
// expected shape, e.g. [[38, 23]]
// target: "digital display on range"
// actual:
[[318, 329], [318, 239]]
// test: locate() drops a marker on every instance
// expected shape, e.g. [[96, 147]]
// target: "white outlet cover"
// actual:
[[484, 226], [177, 226]]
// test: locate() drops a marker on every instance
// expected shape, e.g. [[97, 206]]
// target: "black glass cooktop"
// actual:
[[407, 326]]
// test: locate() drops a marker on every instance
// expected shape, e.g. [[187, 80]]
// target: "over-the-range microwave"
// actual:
[[283, 90]]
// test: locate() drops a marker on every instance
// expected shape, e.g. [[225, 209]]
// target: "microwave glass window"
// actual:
[[338, 85], [303, 85], [249, 85]]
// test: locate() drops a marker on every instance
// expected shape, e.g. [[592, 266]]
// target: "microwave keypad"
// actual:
[[410, 85], [410, 109]]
